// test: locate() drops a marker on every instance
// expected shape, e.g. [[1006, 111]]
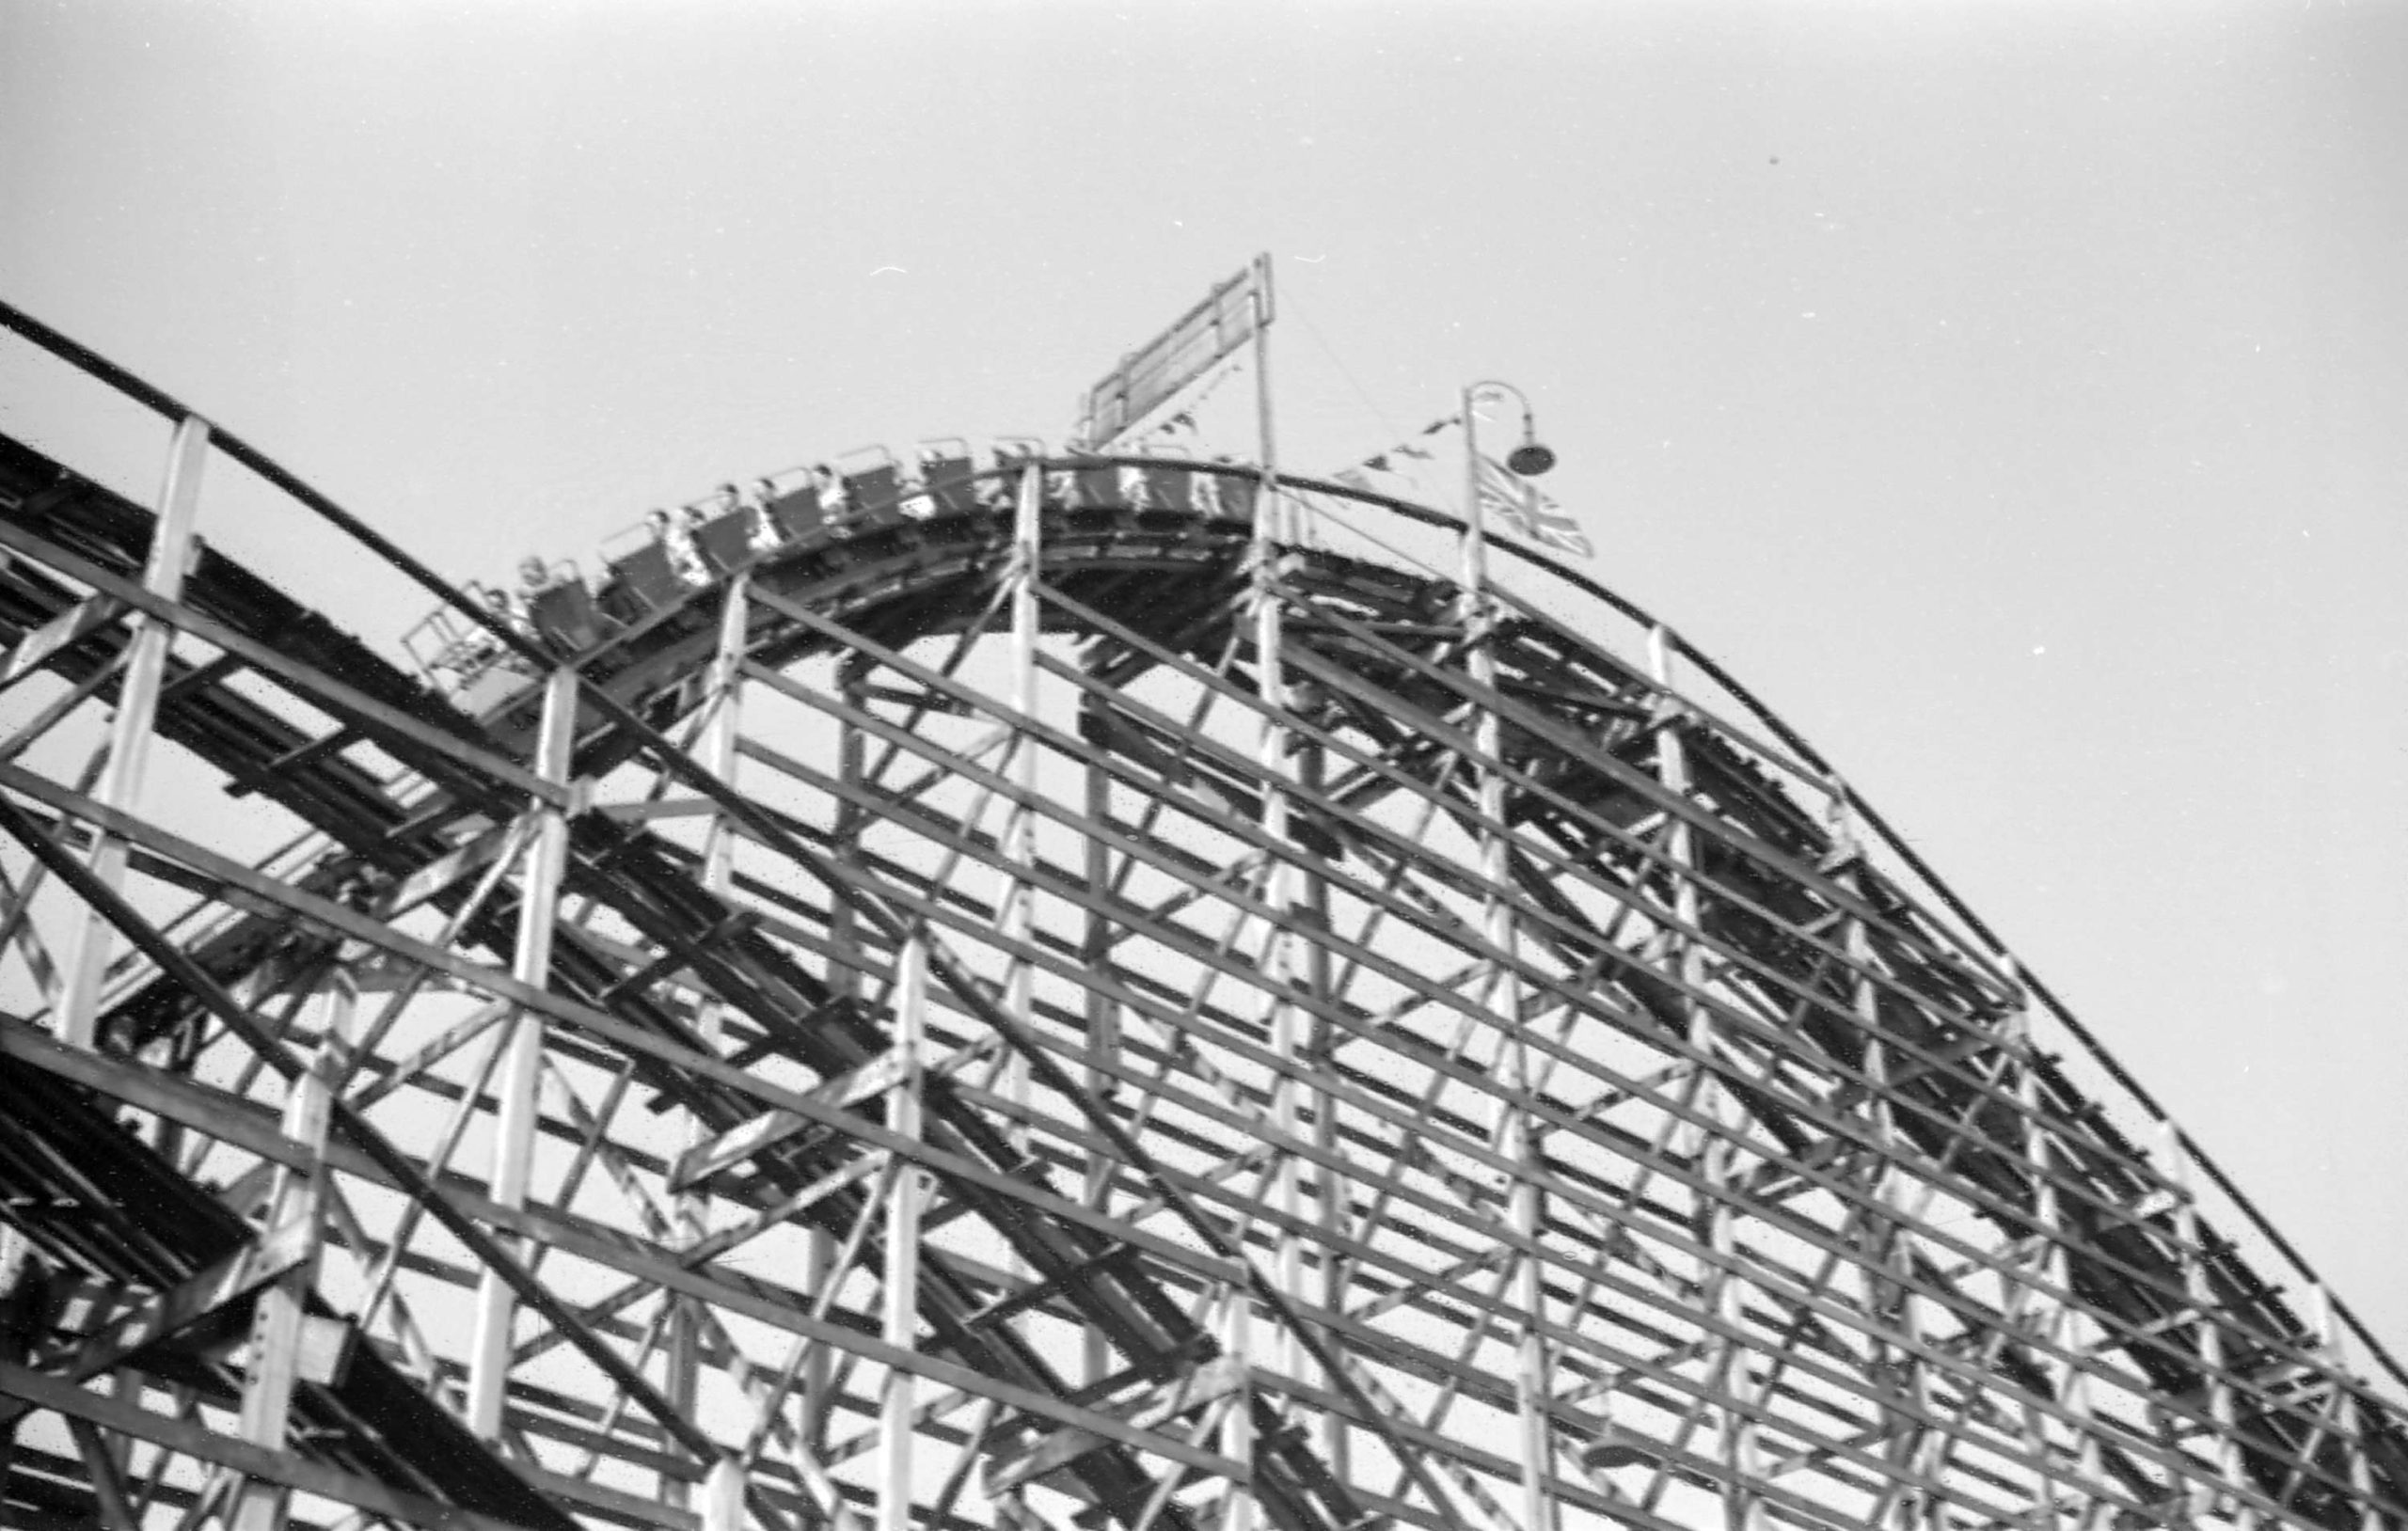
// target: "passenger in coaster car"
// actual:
[[725, 535], [556, 604], [510, 609], [513, 611], [999, 490], [765, 529], [535, 576], [674, 530], [831, 490]]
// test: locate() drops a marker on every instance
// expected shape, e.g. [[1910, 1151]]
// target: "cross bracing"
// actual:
[[1099, 996]]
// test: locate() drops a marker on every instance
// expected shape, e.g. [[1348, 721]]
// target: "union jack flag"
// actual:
[[1521, 508]]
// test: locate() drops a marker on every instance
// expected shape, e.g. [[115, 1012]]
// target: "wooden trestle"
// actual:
[[906, 1033]]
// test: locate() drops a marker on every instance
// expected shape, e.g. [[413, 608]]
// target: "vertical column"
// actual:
[[723, 1497], [523, 1052], [900, 1315], [844, 984], [718, 742], [716, 755], [1901, 1372], [1888, 1292], [1237, 1425], [2039, 1260], [1741, 1510], [1313, 775], [2336, 1356], [2200, 1295], [1515, 1142], [280, 1314], [137, 704], [1280, 948], [1014, 914], [1104, 1030], [1270, 534]]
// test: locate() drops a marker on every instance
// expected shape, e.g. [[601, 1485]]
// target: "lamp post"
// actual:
[[1515, 1140], [1526, 461]]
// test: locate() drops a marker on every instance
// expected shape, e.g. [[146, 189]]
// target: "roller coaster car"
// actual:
[[566, 616], [640, 583], [875, 495], [724, 542], [1096, 486], [1171, 489], [796, 514], [948, 481], [1234, 495]]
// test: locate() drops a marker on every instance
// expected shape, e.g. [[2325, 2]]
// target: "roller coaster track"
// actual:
[[1030, 1000]]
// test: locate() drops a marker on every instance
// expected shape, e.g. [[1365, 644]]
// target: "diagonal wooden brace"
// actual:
[[1058, 1449], [231, 1281], [60, 632], [705, 1160]]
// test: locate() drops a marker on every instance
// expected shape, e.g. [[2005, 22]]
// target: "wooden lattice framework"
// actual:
[[1089, 993]]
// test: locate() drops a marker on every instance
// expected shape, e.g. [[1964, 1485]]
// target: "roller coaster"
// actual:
[[1041, 988]]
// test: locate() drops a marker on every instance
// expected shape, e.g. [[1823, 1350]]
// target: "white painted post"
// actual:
[[723, 1497], [900, 1320], [522, 1060], [281, 1309], [137, 706], [1015, 913]]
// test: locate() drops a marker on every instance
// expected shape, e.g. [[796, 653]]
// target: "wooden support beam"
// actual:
[[516, 1113], [737, 1143], [60, 633], [1049, 1451], [211, 1293], [89, 938]]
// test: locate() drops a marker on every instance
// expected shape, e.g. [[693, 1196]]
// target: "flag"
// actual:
[[1385, 473], [1519, 505]]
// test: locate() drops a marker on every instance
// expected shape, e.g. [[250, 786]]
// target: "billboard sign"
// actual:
[[1225, 320]]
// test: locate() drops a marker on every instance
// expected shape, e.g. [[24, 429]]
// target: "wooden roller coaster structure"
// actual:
[[1077, 991]]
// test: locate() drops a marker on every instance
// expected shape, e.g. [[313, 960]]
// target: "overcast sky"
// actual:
[[2015, 396]]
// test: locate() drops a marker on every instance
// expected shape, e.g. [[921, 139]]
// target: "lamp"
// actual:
[[1526, 461], [1530, 459]]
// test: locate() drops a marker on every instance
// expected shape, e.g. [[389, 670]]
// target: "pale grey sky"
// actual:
[[2012, 394]]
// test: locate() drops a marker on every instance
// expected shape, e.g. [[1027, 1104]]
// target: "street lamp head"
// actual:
[[1530, 459]]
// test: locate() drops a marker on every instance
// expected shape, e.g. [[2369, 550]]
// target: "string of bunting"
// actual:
[[1516, 503], [1185, 419]]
